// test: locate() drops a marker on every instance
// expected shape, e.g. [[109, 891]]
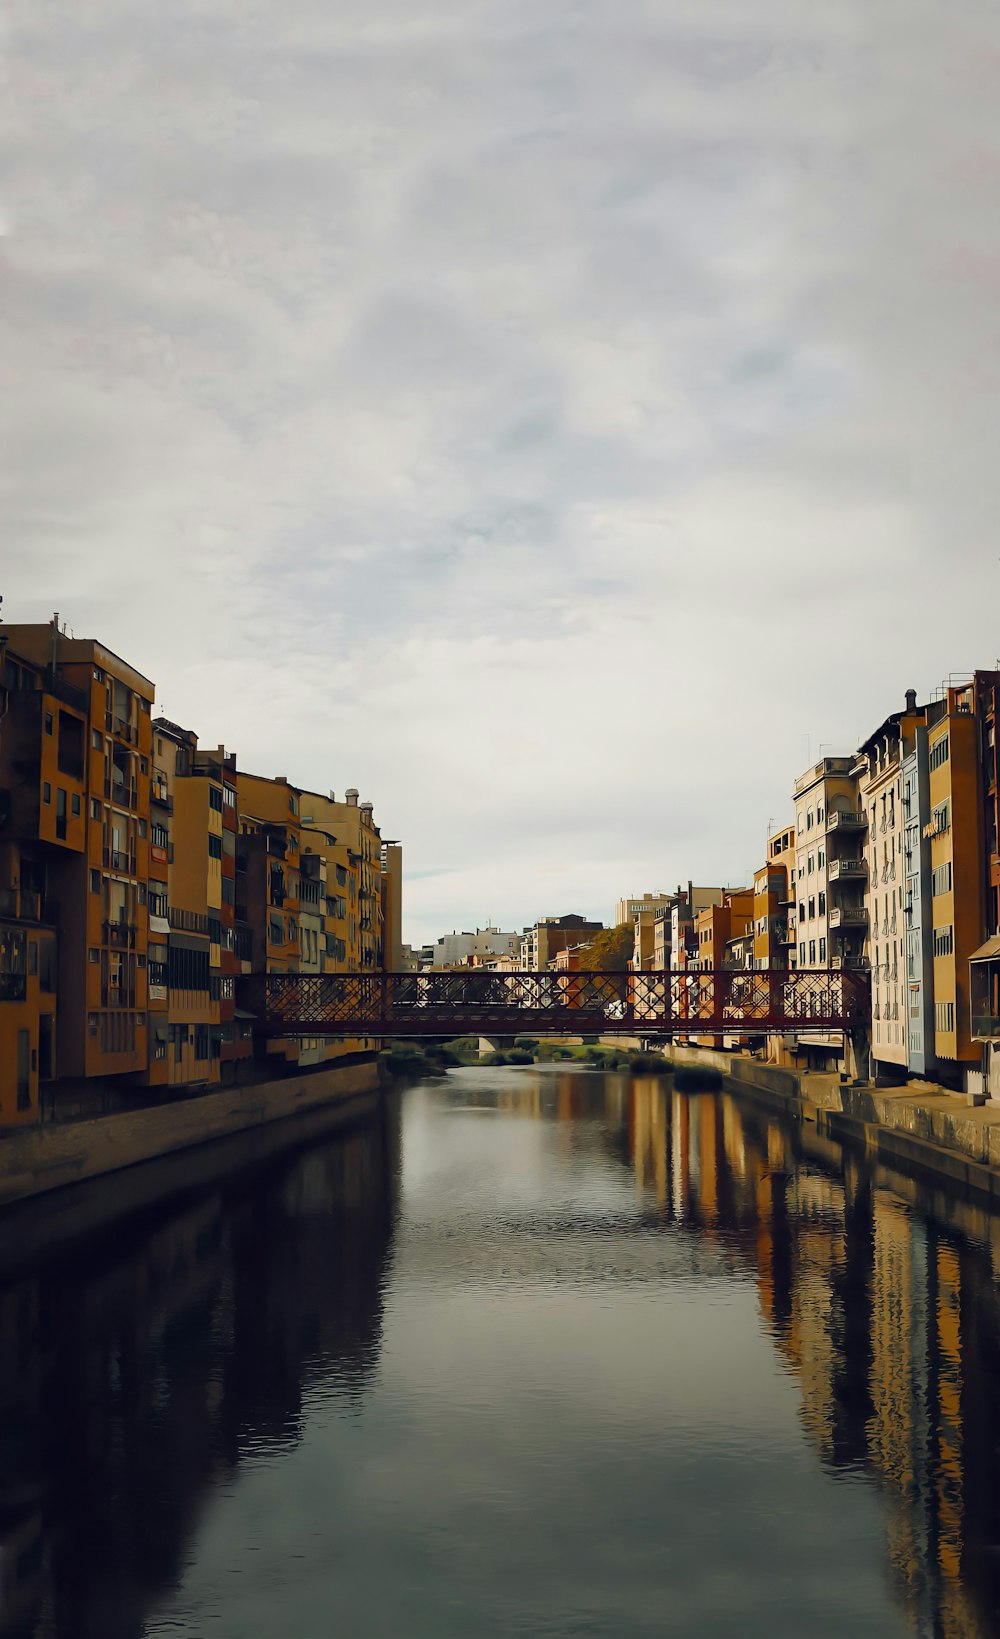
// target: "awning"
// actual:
[[990, 952], [159, 924]]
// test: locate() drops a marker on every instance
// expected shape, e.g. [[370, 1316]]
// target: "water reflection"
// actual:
[[544, 1255], [136, 1377]]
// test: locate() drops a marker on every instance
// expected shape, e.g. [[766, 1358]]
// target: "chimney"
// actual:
[[911, 699], [333, 796], [351, 796]]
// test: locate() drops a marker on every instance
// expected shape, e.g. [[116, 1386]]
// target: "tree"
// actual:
[[610, 950]]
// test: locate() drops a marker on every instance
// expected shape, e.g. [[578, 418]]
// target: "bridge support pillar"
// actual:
[[858, 1053]]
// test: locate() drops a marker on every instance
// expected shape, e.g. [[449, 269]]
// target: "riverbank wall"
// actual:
[[250, 1120], [918, 1128]]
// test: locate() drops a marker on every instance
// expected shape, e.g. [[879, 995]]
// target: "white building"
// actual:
[[455, 948]]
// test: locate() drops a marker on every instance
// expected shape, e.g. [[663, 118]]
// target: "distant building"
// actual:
[[455, 949], [627, 909], [551, 934]]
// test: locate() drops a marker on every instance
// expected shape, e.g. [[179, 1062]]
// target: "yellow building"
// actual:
[[958, 876]]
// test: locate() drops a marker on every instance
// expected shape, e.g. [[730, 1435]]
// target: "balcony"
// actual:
[[843, 819], [842, 870], [857, 964], [120, 935], [161, 794], [124, 730], [848, 916]]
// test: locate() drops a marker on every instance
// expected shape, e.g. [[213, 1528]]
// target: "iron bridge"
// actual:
[[715, 1001]]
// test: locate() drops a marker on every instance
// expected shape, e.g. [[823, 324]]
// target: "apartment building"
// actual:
[[723, 929], [959, 869], [541, 943], [774, 904], [887, 802], [687, 905], [455, 949], [85, 745], [189, 828], [627, 909], [831, 915], [984, 972]]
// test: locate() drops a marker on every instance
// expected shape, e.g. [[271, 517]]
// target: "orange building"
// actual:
[[86, 744], [959, 876]]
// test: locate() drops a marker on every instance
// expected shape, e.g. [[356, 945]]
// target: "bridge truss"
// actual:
[[720, 1001]]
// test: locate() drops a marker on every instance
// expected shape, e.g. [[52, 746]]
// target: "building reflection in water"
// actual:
[[881, 1295], [134, 1382], [882, 1299]]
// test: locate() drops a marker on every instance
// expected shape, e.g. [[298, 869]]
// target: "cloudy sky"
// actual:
[[558, 419]]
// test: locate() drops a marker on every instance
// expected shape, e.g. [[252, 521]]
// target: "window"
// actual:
[[809, 820], [75, 805], [229, 796], [944, 941], [95, 881], [93, 955], [201, 1041], [158, 836], [811, 864], [812, 907], [215, 798], [802, 910], [822, 904], [214, 846], [812, 953], [32, 958], [95, 808], [941, 816], [944, 1017], [938, 753], [941, 879], [46, 792], [821, 859], [143, 828], [97, 740], [802, 954], [48, 722], [819, 812]]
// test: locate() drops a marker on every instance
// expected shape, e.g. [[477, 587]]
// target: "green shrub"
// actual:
[[530, 1042], [642, 1064], [496, 1058], [520, 1055]]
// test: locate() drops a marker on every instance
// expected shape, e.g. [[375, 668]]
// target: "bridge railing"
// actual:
[[481, 1002]]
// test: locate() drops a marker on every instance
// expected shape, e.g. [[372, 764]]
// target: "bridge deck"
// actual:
[[482, 1002]]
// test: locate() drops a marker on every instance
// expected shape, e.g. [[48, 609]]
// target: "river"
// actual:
[[537, 1352]]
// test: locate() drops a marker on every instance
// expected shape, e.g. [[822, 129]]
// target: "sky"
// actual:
[[560, 421]]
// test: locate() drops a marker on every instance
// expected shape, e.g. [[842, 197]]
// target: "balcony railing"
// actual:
[[120, 934], [161, 794], [124, 730], [848, 916], [843, 819], [840, 869]]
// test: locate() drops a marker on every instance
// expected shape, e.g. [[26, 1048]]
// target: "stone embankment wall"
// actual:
[[39, 1159], [919, 1128]]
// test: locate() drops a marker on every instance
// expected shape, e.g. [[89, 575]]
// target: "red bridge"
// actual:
[[484, 1003]]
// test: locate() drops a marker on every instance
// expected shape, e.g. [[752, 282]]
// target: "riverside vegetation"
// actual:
[[406, 1058]]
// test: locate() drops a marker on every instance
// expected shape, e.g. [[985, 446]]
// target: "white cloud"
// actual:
[[553, 421]]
